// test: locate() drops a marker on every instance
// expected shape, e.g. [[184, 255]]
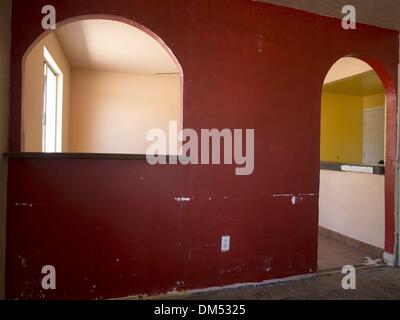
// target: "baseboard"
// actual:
[[389, 259], [356, 244], [212, 289]]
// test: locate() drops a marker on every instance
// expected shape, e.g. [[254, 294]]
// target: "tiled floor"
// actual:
[[333, 254]]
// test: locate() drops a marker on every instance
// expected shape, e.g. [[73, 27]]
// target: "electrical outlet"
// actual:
[[225, 243]]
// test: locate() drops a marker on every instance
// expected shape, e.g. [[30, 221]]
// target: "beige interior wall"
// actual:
[[112, 112], [353, 204], [32, 93], [5, 8]]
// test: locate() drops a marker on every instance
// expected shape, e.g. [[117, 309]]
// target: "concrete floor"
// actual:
[[374, 280], [373, 283], [333, 254]]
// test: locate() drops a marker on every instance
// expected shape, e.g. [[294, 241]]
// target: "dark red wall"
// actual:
[[112, 228]]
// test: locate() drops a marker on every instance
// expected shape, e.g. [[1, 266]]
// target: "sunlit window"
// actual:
[[52, 105]]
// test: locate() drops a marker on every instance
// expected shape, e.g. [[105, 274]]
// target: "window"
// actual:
[[52, 106]]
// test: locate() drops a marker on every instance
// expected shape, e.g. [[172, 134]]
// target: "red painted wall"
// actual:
[[112, 227]]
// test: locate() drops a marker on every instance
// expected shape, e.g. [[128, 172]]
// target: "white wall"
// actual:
[[112, 112], [5, 6], [353, 205]]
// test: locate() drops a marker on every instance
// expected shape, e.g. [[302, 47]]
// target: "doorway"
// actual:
[[352, 172], [374, 135]]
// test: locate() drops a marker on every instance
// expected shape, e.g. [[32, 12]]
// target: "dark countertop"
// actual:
[[338, 166], [324, 165]]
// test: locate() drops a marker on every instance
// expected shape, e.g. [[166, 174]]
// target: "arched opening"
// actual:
[[353, 160], [98, 84]]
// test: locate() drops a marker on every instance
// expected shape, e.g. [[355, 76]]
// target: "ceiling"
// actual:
[[345, 68], [113, 46], [381, 13], [365, 84]]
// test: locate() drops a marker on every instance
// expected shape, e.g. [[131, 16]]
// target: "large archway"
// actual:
[[358, 151], [106, 82]]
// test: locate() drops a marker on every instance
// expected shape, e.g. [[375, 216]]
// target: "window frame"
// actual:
[[51, 65]]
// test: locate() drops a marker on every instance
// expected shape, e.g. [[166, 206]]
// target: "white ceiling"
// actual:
[[113, 46], [345, 68], [352, 76], [382, 13]]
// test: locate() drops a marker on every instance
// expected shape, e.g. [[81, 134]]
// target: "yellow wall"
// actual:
[[5, 6], [32, 94], [377, 100], [341, 128]]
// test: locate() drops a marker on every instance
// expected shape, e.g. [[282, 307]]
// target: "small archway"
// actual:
[[358, 149], [98, 84]]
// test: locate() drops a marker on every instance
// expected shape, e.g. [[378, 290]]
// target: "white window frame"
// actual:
[[51, 63]]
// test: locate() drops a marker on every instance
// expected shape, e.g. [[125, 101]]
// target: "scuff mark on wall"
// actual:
[[183, 199], [295, 198], [267, 264], [229, 270], [23, 261], [208, 245], [290, 195], [93, 288], [17, 204]]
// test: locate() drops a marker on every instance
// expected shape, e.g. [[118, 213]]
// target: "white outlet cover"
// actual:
[[225, 243]]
